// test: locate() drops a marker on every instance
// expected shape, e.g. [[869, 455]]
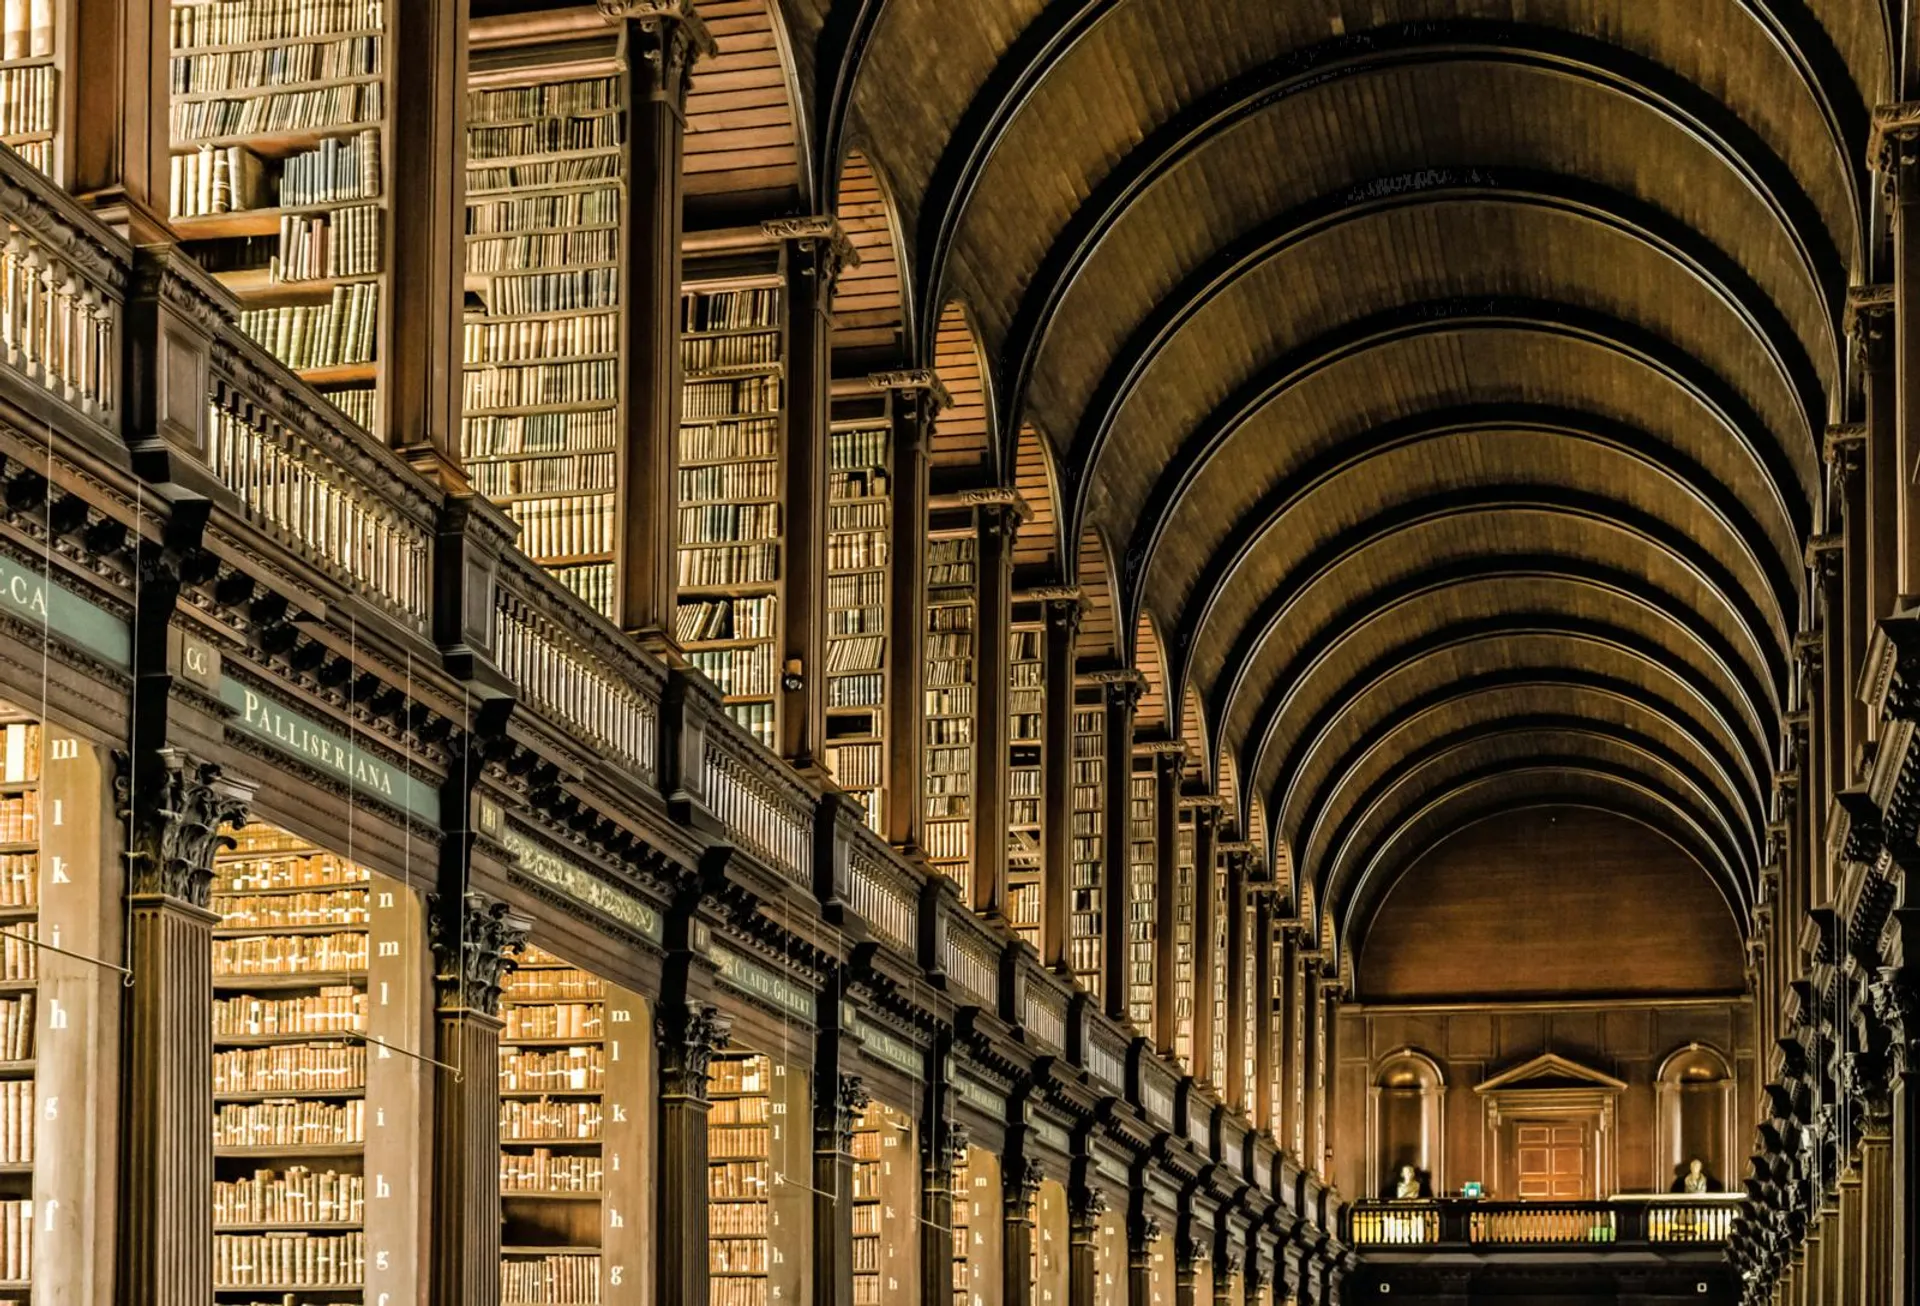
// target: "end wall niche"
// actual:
[[1693, 1117], [1406, 1114]]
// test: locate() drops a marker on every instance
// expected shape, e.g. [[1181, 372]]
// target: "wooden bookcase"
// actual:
[[859, 574], [885, 1208], [755, 1206], [1185, 942], [279, 180], [23, 1155], [977, 1230], [1213, 882], [543, 420], [575, 1087], [962, 1229], [732, 480], [1086, 928], [951, 668], [1140, 896], [31, 69], [298, 1056], [1026, 774]]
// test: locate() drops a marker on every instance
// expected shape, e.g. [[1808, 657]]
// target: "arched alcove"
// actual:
[[1406, 1111], [1693, 1117]]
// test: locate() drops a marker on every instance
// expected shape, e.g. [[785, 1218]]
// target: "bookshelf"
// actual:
[[542, 418], [885, 1208], [1185, 943], [859, 534], [574, 1110], [948, 765], [30, 72], [300, 1071], [278, 176], [731, 478], [1087, 848], [1214, 884], [962, 1229], [752, 1200], [1026, 717], [23, 1151], [1140, 877], [977, 1229]]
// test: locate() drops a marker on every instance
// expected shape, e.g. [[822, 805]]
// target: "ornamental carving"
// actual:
[[474, 944], [670, 37], [688, 1038], [179, 812], [1893, 998], [840, 1111], [1089, 1204], [1022, 1188], [1143, 1231], [958, 1143]]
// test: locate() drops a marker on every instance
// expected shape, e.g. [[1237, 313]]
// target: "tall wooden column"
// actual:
[[1310, 1061], [1239, 1096], [1143, 1231], [1263, 996], [1895, 1001], [836, 1105], [688, 1033], [1291, 1136], [1063, 612], [423, 350], [1083, 1246], [1187, 1251], [179, 808], [474, 941], [1167, 764], [999, 515], [1895, 128], [117, 125], [943, 1146], [661, 39], [1020, 1189], [817, 251], [1845, 448], [917, 397], [1206, 837], [1122, 690]]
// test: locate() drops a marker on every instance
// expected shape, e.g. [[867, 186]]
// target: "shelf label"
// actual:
[[759, 982], [41, 602], [582, 885], [298, 736]]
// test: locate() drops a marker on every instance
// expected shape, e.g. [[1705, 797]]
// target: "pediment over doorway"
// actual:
[[1548, 1071]]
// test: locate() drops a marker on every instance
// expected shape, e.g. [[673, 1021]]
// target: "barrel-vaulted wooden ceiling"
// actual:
[[1448, 377]]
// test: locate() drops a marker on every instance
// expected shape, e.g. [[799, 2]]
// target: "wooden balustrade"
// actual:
[[63, 287], [1106, 1054], [1045, 1011], [972, 957], [1630, 1220], [882, 890], [763, 805], [1394, 1224], [570, 664]]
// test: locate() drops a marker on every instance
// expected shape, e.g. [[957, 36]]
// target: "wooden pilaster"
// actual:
[[1083, 1249], [1309, 1129], [1235, 1076], [179, 808], [1122, 691], [688, 1032], [1187, 1251], [1062, 629], [838, 1100], [998, 520], [1020, 1190], [1845, 449], [942, 1146], [1206, 958], [1167, 765], [474, 941], [119, 124], [1895, 129], [661, 40], [1143, 1231], [1263, 995], [917, 397]]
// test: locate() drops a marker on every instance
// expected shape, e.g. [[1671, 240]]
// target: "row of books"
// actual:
[[16, 1027], [727, 523], [294, 1195], [856, 691], [575, 1069], [857, 592], [338, 333], [857, 766], [540, 1121], [348, 105], [857, 512], [736, 672], [274, 1260], [527, 386], [859, 654], [542, 1170], [572, 171], [702, 354], [292, 1123], [509, 214], [27, 31], [736, 1255], [555, 1020], [553, 984], [553, 292], [558, 1279], [536, 339], [729, 564], [19, 879], [749, 1109], [730, 441], [854, 621], [343, 243], [20, 752], [295, 954], [729, 310], [338, 168], [723, 481], [736, 1181], [502, 254], [273, 873], [713, 619], [347, 906], [746, 396], [16, 1121], [592, 582], [16, 1240], [27, 99], [940, 732], [20, 818], [864, 550], [588, 95], [737, 1292], [19, 958], [232, 22], [737, 1219], [544, 135], [511, 435], [291, 1068], [567, 526], [287, 64], [757, 719], [948, 839]]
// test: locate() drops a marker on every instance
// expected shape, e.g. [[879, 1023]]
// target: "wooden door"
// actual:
[[1550, 1159]]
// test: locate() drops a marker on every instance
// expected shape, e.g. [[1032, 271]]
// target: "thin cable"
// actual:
[[382, 1043], [127, 975]]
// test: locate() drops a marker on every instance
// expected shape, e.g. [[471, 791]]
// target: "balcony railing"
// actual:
[[1629, 1219]]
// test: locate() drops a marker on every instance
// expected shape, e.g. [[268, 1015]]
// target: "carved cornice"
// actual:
[[915, 380], [688, 1036], [178, 814], [474, 943], [1868, 311], [52, 218]]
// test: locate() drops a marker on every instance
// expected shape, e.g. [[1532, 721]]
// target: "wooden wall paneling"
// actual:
[[742, 153]]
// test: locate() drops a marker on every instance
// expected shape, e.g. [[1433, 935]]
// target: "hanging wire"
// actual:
[[125, 974]]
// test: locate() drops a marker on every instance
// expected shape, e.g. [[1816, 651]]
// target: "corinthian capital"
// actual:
[[179, 809], [475, 940]]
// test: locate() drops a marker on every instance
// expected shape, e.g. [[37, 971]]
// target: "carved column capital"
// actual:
[[1143, 1231], [959, 1142], [179, 809], [688, 1036], [1868, 322], [666, 38], [1022, 1188], [474, 940], [839, 1112], [1824, 553], [1065, 611], [1844, 449], [1088, 1205], [832, 252], [1187, 1254], [1123, 689]]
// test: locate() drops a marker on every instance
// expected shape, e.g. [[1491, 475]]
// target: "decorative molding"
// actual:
[[1087, 1206], [1022, 1183], [840, 1111], [1143, 1231], [178, 824], [687, 1038], [474, 941]]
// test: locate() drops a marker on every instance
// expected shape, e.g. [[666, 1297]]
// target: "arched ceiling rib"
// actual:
[[1448, 381]]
